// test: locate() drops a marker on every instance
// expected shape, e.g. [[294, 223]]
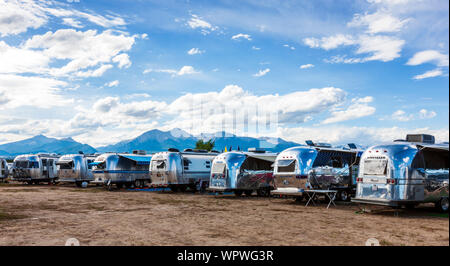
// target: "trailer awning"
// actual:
[[141, 160], [64, 162], [269, 158], [95, 163]]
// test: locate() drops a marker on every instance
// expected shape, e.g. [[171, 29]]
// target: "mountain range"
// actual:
[[150, 141]]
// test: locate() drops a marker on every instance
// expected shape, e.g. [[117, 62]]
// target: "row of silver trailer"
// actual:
[[402, 173]]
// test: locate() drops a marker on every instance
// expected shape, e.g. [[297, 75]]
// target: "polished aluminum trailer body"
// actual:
[[242, 172], [75, 168], [4, 169], [403, 173], [180, 170], [121, 169], [316, 167], [35, 168]]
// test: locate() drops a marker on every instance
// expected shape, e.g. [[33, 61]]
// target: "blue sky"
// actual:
[[335, 71]]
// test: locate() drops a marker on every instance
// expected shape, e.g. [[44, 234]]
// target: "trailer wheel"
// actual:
[[442, 205], [343, 195], [139, 183], [30, 182], [264, 192], [78, 184], [299, 199], [119, 185], [182, 188], [238, 193], [174, 188], [248, 193]]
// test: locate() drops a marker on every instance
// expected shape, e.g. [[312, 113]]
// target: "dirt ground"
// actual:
[[49, 215]]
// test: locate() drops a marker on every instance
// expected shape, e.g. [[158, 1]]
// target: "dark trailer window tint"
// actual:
[[286, 166], [255, 164], [21, 164]]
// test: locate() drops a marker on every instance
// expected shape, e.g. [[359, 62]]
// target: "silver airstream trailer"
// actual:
[[122, 169], [243, 172], [75, 168], [405, 173], [180, 170], [35, 168], [4, 170], [316, 166]]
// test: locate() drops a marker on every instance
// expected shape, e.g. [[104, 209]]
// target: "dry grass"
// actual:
[[96, 216]]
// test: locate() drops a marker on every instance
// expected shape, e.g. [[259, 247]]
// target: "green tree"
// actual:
[[202, 145]]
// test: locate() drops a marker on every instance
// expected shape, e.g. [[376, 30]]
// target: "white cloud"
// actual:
[[72, 22], [306, 66], [359, 135], [195, 51], [185, 70], [343, 59], [402, 116], [331, 42], [378, 22], [32, 91], [429, 56], [113, 83], [94, 72], [262, 72], [426, 114], [382, 48], [83, 49], [430, 74], [241, 36], [123, 60], [358, 108], [17, 16], [20, 15], [256, 48], [197, 22], [17, 60]]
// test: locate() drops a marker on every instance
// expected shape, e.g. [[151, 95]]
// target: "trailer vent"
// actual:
[[422, 138]]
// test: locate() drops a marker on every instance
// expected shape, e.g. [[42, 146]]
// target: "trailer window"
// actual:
[[218, 168], [158, 165], [255, 164], [21, 164], [66, 166], [101, 166], [375, 167], [286, 166]]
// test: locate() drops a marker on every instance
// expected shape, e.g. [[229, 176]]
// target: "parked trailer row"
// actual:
[[317, 166], [4, 170], [402, 173], [182, 170], [243, 172], [405, 173]]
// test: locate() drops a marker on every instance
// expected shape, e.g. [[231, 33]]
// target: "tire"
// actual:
[[119, 185], [78, 184], [343, 195], [299, 199], [410, 206], [138, 184], [238, 193], [442, 204], [182, 188], [174, 188], [264, 192], [248, 193]]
